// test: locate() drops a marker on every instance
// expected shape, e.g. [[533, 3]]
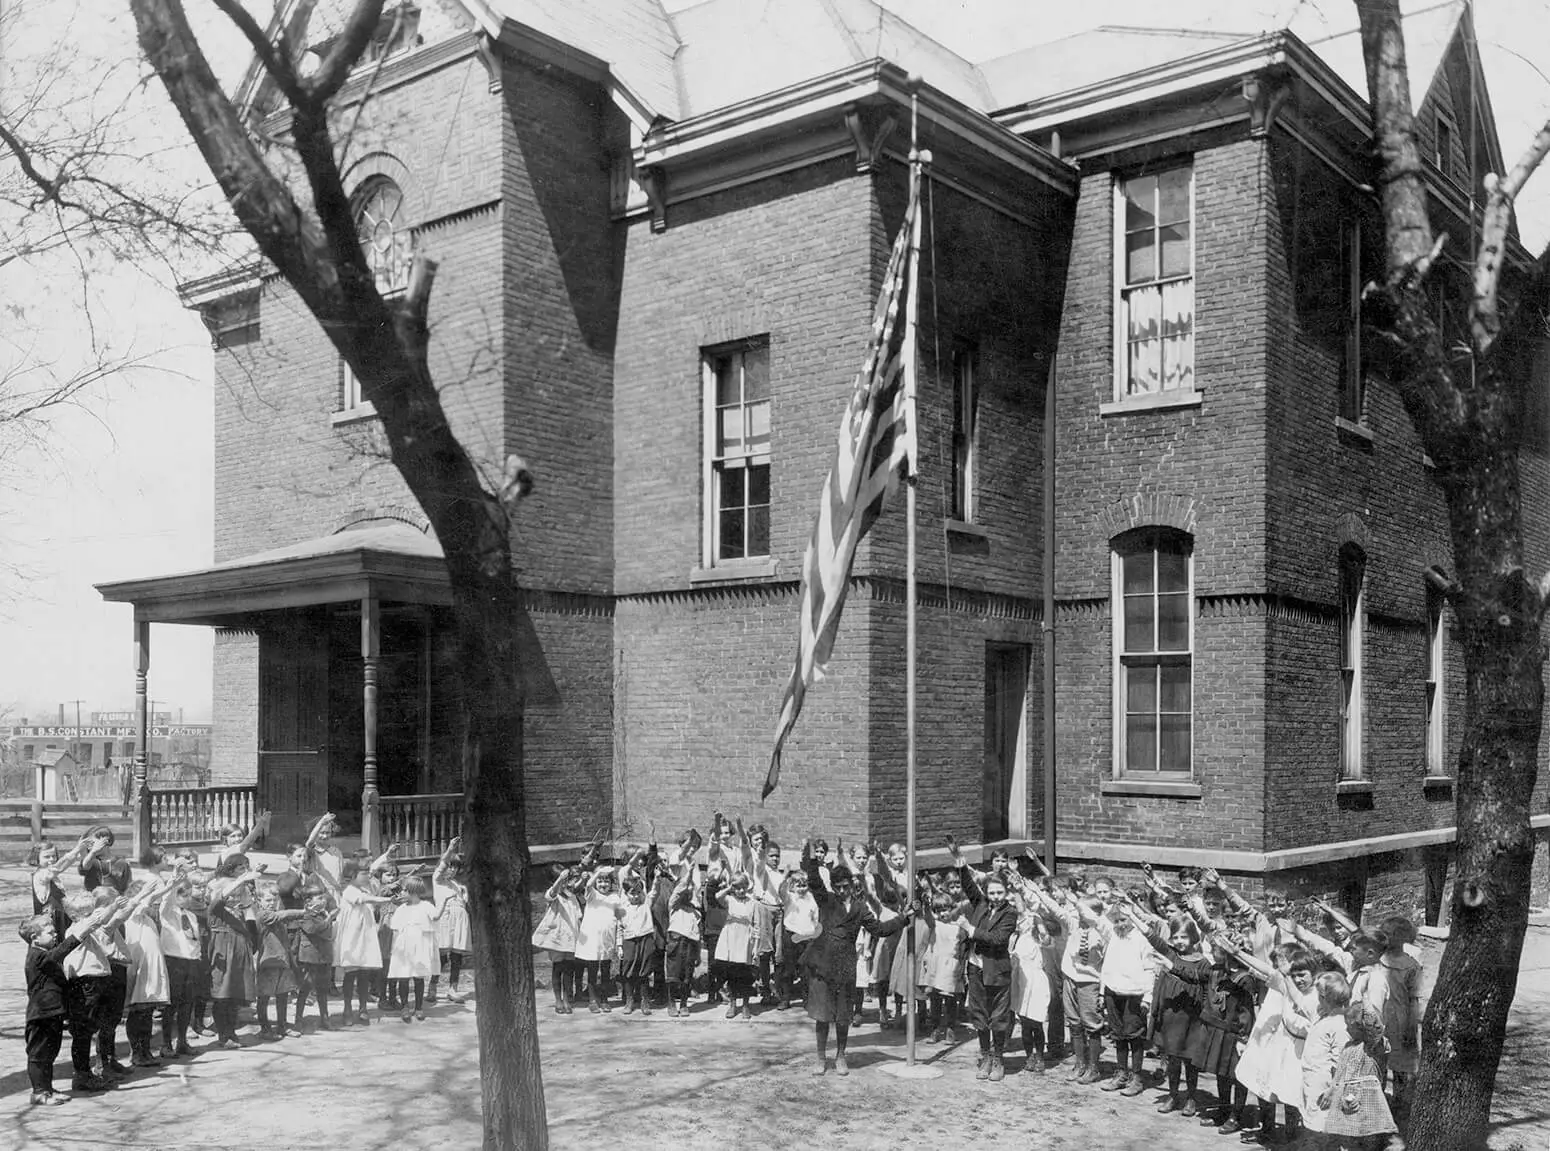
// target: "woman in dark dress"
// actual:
[[830, 962]]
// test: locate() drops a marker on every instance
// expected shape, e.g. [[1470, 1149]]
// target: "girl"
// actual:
[[180, 946], [313, 937], [232, 977], [556, 934], [1227, 1017], [237, 840], [798, 927], [115, 997], [326, 858], [641, 945], [1176, 1003], [1030, 983], [831, 957], [452, 933], [48, 894], [199, 907], [95, 861], [1401, 976], [414, 956], [1271, 1064], [385, 883], [735, 944], [684, 915], [887, 888], [943, 975], [276, 976], [357, 949], [1127, 975], [297, 885], [1357, 1112], [148, 983], [597, 933], [912, 983], [1321, 1050]]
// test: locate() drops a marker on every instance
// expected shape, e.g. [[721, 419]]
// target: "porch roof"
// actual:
[[389, 561]]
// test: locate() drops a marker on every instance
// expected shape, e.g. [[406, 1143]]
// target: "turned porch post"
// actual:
[[141, 795], [371, 650]]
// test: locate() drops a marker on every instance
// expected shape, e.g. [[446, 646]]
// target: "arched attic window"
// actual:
[[384, 234]]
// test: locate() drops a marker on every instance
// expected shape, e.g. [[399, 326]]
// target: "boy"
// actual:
[[89, 991], [46, 995]]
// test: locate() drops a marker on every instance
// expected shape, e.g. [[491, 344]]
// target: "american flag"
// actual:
[[876, 443]]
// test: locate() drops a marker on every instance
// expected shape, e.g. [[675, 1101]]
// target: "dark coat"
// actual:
[[46, 978], [832, 956], [990, 933]]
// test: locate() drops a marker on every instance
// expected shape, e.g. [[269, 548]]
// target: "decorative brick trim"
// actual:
[[1352, 529], [542, 601], [462, 215], [397, 512], [1149, 509], [965, 601]]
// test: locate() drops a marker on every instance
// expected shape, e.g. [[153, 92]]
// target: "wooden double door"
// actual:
[[293, 725]]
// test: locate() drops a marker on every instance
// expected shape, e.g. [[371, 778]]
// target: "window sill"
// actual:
[[366, 411], [965, 528], [1354, 787], [1355, 431], [1152, 402], [1159, 787], [737, 571], [1437, 783]]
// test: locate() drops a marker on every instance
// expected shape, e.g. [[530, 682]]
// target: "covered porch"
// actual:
[[355, 704]]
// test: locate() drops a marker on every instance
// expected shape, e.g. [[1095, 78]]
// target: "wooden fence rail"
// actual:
[[192, 815], [422, 824]]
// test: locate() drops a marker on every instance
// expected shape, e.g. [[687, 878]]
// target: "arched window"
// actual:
[[384, 234], [1353, 625], [1153, 654]]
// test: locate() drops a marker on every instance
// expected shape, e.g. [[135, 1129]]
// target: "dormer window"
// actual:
[[1443, 156], [398, 30]]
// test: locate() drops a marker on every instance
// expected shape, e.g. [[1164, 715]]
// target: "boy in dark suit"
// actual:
[[46, 995], [991, 922]]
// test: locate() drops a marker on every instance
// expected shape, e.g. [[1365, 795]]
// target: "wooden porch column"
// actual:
[[141, 794], [371, 650]]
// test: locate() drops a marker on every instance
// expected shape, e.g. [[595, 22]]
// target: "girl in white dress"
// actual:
[[415, 958], [735, 944], [1030, 982], [453, 936], [148, 985], [356, 947], [597, 936]]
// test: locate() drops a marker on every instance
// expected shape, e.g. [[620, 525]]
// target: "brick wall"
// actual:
[[234, 709]]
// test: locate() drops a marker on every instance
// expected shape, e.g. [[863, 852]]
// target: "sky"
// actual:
[[123, 487]]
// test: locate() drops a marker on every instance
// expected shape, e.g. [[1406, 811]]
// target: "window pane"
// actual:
[[756, 374], [758, 485], [759, 531], [1138, 624], [758, 426], [727, 391], [1172, 571], [1141, 689], [731, 487], [1140, 196], [731, 525], [1140, 743], [1138, 572], [729, 434], [1175, 687], [1175, 249], [1173, 622], [1173, 196], [1174, 750], [1140, 257]]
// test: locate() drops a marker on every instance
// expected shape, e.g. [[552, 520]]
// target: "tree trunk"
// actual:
[[1469, 421], [318, 252]]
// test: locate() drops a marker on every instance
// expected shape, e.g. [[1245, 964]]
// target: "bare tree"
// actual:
[[1470, 414], [313, 244]]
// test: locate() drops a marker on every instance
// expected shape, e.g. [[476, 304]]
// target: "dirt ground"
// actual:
[[701, 1082]]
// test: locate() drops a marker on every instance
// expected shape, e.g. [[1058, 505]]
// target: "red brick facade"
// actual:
[[573, 334]]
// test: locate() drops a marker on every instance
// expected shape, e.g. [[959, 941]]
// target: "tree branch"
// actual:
[[346, 50], [1485, 322], [49, 188], [277, 63]]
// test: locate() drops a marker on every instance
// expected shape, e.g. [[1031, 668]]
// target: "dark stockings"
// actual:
[[356, 984], [319, 976], [282, 1003], [224, 1012], [1033, 1037], [419, 993], [454, 968]]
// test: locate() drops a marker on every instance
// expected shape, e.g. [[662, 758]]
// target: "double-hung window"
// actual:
[[1353, 398], [1353, 578], [1153, 653], [965, 404], [1436, 732], [737, 452], [1155, 329]]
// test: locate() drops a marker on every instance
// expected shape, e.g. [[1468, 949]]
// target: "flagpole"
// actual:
[[918, 160]]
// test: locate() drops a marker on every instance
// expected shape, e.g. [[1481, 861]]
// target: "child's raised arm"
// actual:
[[260, 827]]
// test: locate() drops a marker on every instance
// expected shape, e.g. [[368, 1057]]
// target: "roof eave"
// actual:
[[673, 143]]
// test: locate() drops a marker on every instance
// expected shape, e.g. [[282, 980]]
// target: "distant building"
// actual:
[[179, 753]]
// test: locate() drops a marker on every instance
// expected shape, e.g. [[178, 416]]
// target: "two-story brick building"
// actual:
[[657, 273]]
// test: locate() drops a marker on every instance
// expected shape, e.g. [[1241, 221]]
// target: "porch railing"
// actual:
[[422, 824], [191, 815]]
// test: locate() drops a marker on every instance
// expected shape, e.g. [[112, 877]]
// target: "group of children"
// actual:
[[1318, 1024], [179, 941]]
